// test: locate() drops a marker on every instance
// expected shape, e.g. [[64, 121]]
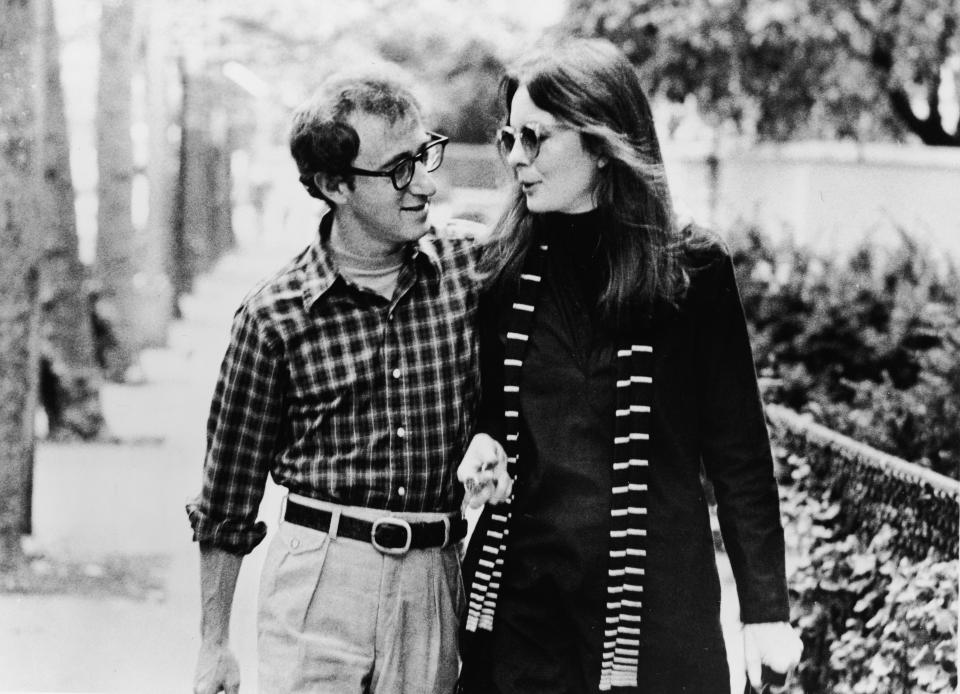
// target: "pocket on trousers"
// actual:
[[293, 567], [458, 595]]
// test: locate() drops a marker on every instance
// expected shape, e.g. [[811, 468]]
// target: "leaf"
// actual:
[[866, 601], [862, 563], [829, 513], [921, 655], [881, 666], [909, 594], [926, 674], [820, 532], [944, 622], [881, 617]]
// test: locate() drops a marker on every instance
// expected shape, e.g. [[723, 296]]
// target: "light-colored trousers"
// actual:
[[338, 617]]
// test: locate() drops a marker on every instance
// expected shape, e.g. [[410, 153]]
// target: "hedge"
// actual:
[[873, 542], [869, 345]]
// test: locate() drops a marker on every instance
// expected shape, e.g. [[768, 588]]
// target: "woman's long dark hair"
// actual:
[[590, 85]]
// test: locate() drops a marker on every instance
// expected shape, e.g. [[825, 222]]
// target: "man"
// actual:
[[351, 378]]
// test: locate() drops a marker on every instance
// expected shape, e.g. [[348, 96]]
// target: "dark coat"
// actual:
[[706, 412]]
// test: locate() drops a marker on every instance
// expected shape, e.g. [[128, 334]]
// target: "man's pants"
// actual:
[[337, 616]]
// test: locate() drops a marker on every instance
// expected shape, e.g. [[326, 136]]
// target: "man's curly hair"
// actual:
[[321, 136]]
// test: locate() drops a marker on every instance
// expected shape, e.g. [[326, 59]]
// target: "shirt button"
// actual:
[[294, 543], [396, 373], [401, 432], [401, 491]]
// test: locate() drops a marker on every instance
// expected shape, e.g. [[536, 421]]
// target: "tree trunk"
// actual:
[[70, 382], [180, 267], [19, 253], [204, 230], [161, 165], [199, 193], [220, 229], [118, 251]]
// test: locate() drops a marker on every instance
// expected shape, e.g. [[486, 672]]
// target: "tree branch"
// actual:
[[930, 130]]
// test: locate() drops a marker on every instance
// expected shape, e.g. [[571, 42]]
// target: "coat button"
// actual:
[[294, 543]]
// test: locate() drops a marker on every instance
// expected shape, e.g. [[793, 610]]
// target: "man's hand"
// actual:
[[774, 644], [483, 472], [217, 671]]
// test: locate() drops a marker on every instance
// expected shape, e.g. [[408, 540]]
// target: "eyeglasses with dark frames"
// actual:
[[531, 136], [401, 173]]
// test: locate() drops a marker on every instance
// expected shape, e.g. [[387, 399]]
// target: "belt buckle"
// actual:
[[390, 520]]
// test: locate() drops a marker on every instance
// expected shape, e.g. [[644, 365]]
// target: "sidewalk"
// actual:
[[106, 502], [100, 503]]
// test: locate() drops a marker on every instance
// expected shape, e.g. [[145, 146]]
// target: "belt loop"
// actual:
[[283, 506], [446, 531], [334, 523]]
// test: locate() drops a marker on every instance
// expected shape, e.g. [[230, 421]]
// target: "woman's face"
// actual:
[[563, 176]]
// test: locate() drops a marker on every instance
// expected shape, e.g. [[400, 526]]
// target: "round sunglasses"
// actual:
[[530, 135]]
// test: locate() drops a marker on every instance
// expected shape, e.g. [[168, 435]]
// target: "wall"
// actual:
[[828, 195]]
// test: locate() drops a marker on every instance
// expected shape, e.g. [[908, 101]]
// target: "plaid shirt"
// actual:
[[341, 394]]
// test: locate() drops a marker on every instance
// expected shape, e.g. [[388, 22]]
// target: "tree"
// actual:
[[202, 228], [456, 61], [70, 378], [19, 267], [161, 164], [118, 249], [834, 68]]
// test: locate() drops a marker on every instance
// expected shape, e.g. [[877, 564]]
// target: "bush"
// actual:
[[870, 346], [872, 620]]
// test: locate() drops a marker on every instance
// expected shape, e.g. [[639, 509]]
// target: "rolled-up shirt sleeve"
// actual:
[[243, 435]]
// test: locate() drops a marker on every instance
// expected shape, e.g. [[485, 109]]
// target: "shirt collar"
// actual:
[[321, 271]]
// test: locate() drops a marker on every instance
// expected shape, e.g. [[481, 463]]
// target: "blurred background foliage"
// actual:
[[870, 344], [454, 50], [884, 70], [787, 69]]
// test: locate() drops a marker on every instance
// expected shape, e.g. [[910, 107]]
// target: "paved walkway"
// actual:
[[94, 502]]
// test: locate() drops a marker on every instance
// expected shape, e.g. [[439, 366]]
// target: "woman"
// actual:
[[615, 362]]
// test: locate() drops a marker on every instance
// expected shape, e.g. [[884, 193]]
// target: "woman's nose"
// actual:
[[516, 156]]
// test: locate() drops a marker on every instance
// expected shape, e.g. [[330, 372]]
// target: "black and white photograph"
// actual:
[[461, 347]]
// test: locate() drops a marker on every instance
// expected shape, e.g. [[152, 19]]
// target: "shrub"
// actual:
[[870, 346], [871, 618]]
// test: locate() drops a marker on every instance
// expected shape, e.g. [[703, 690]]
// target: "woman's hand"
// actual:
[[774, 644], [483, 472]]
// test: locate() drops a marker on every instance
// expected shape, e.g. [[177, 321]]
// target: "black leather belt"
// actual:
[[390, 535]]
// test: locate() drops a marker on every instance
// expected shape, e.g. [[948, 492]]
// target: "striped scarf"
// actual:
[[628, 505]]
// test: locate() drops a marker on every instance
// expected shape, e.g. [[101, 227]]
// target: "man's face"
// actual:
[[376, 217]]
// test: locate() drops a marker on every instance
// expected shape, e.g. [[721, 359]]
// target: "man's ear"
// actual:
[[334, 186]]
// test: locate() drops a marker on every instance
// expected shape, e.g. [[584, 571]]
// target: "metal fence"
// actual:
[[875, 488]]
